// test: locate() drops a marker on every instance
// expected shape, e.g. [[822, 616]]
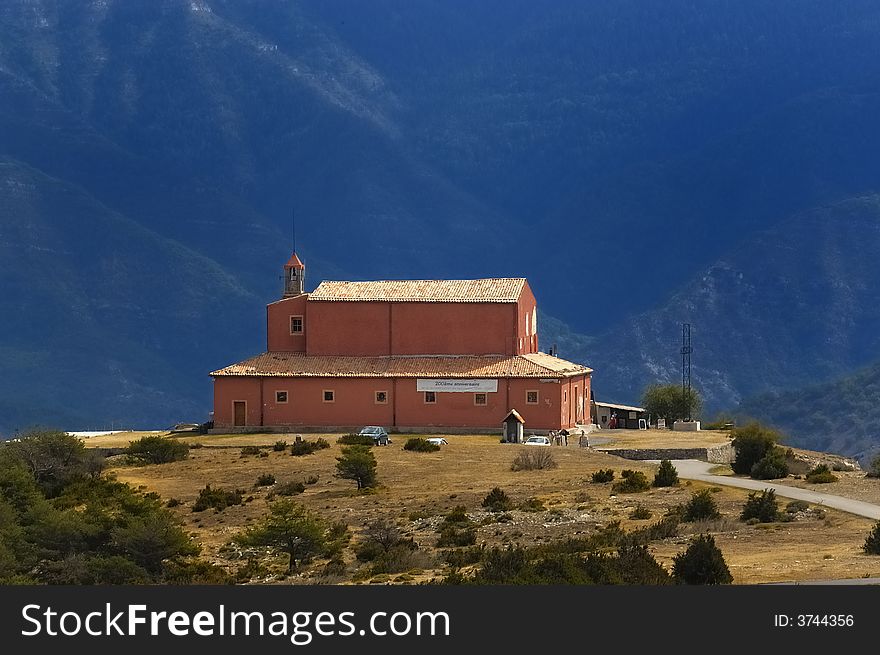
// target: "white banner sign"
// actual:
[[468, 386]]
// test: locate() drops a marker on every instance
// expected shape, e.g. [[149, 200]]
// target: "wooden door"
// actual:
[[239, 412]]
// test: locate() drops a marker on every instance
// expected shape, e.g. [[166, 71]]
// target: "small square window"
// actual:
[[480, 399], [329, 396], [430, 397], [532, 397], [281, 397], [296, 324], [381, 397]]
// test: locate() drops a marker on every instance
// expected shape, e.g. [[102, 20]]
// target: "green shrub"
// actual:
[[457, 516], [497, 501], [173, 502], [280, 446], [874, 467], [533, 459], [451, 536], [420, 445], [632, 482], [666, 475], [821, 475], [762, 506], [464, 556], [217, 498], [289, 488], [356, 440], [700, 507], [288, 528], [265, 480], [602, 475], [872, 542], [640, 513], [796, 506], [250, 450], [303, 447], [771, 467], [532, 505], [752, 443], [701, 564], [157, 450]]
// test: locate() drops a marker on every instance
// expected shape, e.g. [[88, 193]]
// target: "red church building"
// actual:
[[409, 355]]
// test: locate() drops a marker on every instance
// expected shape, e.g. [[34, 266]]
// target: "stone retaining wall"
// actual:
[[721, 454]]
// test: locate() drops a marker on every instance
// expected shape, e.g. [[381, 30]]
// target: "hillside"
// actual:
[[584, 146], [838, 415], [795, 304]]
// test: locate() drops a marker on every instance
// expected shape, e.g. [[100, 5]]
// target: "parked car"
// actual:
[[437, 441], [379, 434], [537, 441]]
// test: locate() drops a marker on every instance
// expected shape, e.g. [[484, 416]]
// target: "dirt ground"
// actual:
[[418, 488]]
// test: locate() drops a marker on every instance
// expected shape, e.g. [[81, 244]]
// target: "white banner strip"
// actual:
[[456, 385]]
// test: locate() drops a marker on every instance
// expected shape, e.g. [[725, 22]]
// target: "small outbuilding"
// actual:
[[513, 427], [612, 415]]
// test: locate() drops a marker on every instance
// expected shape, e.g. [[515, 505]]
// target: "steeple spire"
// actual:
[[294, 277]]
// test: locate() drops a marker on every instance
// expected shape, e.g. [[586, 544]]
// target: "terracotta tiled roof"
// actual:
[[281, 364], [294, 262], [488, 290]]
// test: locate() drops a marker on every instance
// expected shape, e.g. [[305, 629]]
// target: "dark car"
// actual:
[[379, 435]]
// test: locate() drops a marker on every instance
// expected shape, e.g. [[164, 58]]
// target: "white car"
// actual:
[[537, 441], [437, 441]]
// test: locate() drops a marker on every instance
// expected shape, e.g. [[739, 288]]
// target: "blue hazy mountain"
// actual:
[[612, 152]]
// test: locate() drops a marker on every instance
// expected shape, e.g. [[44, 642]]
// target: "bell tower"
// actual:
[[294, 277]]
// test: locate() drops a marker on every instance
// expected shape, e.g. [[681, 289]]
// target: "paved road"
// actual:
[[693, 469]]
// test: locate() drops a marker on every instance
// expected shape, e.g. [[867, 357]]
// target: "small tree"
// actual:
[[666, 475], [288, 528], [497, 501], [701, 507], [671, 402], [702, 563], [359, 464], [752, 443], [874, 467], [872, 543], [762, 506], [602, 475]]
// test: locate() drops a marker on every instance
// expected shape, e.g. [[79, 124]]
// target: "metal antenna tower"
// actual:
[[686, 367]]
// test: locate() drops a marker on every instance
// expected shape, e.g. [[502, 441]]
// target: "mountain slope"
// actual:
[[795, 304], [838, 415]]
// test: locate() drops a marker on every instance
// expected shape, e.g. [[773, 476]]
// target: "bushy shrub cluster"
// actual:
[[279, 446], [420, 445], [250, 450], [356, 440], [157, 450], [289, 489], [762, 506], [757, 453], [640, 513], [303, 447], [265, 480], [821, 475], [700, 507], [217, 498], [603, 475], [631, 482], [62, 523], [457, 529], [388, 550], [872, 542]]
